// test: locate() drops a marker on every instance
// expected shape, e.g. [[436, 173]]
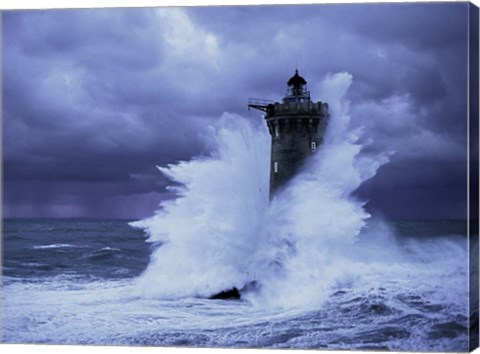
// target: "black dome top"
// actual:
[[296, 80]]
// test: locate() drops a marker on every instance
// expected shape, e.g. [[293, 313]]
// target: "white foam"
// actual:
[[222, 232], [211, 231], [57, 245]]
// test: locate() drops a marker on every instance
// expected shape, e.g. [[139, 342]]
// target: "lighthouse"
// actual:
[[297, 126]]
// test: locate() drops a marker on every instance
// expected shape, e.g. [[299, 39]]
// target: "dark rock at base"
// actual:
[[232, 294]]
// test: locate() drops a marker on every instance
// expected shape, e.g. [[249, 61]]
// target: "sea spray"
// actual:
[[315, 219], [209, 233], [221, 232]]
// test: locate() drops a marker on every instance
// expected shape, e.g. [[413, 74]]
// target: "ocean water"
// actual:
[[328, 273], [76, 282]]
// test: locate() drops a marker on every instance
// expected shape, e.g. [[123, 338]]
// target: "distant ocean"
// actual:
[[75, 281]]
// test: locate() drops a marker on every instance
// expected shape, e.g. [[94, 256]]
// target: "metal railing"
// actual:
[[260, 104]]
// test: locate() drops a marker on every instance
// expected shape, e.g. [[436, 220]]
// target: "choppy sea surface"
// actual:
[[75, 281]]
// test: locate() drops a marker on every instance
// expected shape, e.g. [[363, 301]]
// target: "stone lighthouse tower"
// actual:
[[297, 126]]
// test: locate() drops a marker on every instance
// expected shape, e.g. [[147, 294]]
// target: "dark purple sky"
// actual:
[[94, 99]]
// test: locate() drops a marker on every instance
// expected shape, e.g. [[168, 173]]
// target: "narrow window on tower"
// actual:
[[314, 146], [277, 131], [275, 167]]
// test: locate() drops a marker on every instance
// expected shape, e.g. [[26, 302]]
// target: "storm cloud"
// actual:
[[94, 99]]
